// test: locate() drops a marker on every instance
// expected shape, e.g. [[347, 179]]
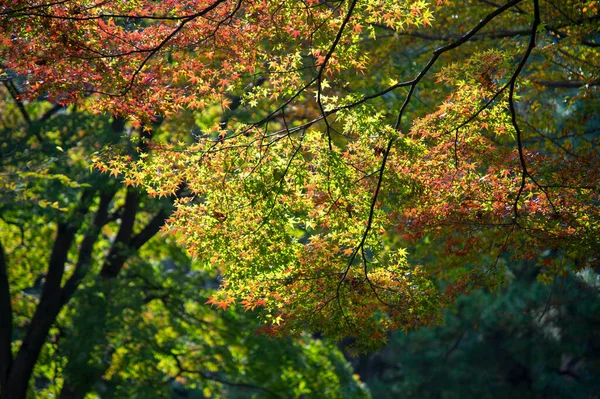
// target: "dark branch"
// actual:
[[513, 112], [14, 93], [214, 377], [169, 37], [49, 305], [32, 8], [566, 84], [86, 248], [413, 84], [149, 231], [481, 36], [118, 251], [48, 114], [454, 346], [322, 67]]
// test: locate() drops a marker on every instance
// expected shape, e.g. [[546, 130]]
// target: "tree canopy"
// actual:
[[128, 315], [350, 167]]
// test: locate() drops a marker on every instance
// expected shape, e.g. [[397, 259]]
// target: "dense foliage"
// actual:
[[526, 340], [350, 167], [127, 316]]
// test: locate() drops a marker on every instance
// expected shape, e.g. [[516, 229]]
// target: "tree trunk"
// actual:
[[126, 243], [5, 325], [43, 318]]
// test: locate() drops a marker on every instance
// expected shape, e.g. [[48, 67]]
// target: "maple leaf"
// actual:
[[247, 304], [348, 251], [223, 304], [353, 179], [260, 302], [129, 182], [211, 301]]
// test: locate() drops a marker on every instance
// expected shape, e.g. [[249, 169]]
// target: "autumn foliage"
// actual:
[[335, 166]]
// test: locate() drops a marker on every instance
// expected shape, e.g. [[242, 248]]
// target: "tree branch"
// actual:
[[86, 248], [215, 377], [149, 231], [481, 36], [49, 305], [14, 93], [513, 112], [322, 67], [119, 250], [168, 38], [455, 346], [566, 84], [48, 114], [413, 84]]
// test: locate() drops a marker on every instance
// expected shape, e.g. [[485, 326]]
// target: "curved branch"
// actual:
[[14, 93], [49, 304], [215, 377], [511, 106], [118, 253], [86, 248], [328, 56], [413, 83]]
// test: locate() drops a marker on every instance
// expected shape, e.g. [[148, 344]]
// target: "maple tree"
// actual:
[[339, 142], [142, 328]]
